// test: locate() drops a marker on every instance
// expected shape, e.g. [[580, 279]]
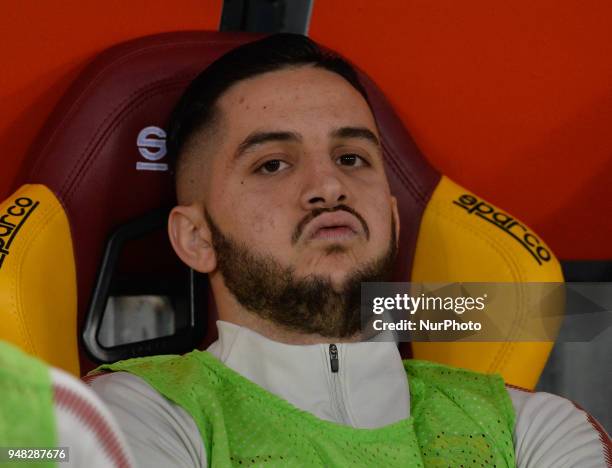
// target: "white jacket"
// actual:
[[368, 390]]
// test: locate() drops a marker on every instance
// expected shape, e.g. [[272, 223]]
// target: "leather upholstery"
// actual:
[[477, 242], [37, 277]]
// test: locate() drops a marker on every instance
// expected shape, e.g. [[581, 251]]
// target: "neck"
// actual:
[[230, 310]]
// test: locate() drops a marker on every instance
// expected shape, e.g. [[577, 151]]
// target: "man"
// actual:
[[284, 202]]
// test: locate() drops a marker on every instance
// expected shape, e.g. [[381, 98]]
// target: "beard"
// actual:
[[309, 305]]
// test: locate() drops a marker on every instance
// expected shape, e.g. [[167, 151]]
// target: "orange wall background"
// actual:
[[44, 45], [513, 100]]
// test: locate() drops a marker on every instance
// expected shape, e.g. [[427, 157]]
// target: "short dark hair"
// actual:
[[196, 108]]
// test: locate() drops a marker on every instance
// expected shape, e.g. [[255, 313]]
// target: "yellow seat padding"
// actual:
[[463, 238], [38, 294]]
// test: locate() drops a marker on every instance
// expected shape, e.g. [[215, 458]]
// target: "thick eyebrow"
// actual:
[[258, 138], [356, 132]]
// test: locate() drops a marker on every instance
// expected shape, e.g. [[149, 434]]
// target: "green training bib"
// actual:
[[458, 419]]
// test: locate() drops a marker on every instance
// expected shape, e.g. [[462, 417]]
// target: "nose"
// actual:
[[324, 187]]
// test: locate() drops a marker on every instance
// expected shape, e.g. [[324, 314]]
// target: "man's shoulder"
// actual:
[[178, 378], [165, 367], [159, 431], [434, 373], [146, 362]]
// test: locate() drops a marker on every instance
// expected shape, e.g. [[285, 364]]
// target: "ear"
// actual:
[[396, 218], [191, 239]]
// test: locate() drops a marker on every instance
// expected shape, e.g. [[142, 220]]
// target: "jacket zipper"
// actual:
[[334, 363], [336, 385]]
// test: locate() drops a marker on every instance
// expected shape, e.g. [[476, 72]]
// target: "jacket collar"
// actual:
[[369, 389]]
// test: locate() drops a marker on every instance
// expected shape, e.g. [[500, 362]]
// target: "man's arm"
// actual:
[[158, 432], [550, 431]]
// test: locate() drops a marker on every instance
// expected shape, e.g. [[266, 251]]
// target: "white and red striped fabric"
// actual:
[[86, 426]]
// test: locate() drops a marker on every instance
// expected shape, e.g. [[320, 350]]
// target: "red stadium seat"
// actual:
[[95, 189]]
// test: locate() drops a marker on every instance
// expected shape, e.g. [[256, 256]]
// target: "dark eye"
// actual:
[[272, 166], [351, 159]]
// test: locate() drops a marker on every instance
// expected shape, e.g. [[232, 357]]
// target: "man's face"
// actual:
[[296, 191], [294, 141]]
